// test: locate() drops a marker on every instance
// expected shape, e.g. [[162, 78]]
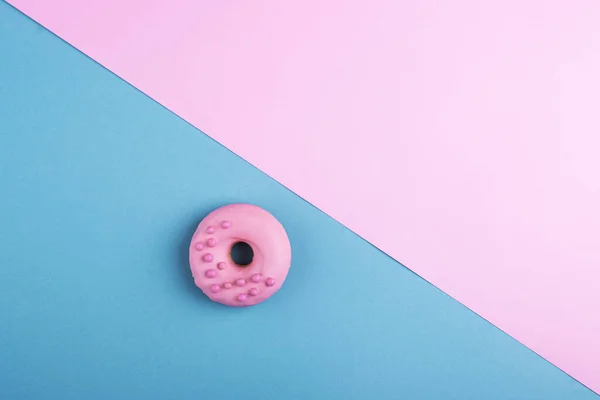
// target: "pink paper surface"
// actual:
[[460, 137]]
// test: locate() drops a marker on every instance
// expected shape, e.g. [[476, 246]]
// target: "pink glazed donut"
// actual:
[[213, 268]]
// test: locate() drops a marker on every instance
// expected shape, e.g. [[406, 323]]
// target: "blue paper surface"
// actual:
[[100, 191]]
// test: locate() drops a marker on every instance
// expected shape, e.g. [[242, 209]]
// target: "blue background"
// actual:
[[100, 191]]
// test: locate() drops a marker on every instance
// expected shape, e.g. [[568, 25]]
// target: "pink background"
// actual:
[[461, 138]]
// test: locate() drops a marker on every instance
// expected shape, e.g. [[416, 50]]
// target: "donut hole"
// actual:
[[242, 254]]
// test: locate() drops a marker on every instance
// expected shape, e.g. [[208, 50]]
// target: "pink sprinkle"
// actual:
[[226, 224], [270, 281], [212, 242], [241, 297], [240, 282], [207, 257], [256, 278], [221, 265], [199, 246], [227, 285], [253, 292], [211, 273], [215, 288], [210, 229]]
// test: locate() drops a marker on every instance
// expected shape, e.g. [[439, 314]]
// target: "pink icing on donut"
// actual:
[[240, 282], [223, 228], [211, 273]]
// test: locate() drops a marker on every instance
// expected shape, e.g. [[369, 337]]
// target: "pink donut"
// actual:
[[213, 268]]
